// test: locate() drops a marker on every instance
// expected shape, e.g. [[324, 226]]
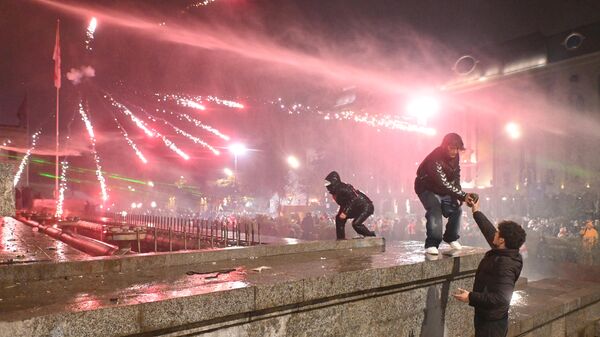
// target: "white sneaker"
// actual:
[[455, 245], [432, 251]]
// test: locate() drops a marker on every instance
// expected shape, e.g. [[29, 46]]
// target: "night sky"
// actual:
[[260, 50]]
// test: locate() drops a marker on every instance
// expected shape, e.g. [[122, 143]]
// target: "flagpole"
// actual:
[[57, 77], [56, 168], [28, 145]]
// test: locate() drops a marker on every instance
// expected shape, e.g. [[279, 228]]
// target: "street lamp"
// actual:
[[293, 162], [513, 130], [238, 149], [423, 108]]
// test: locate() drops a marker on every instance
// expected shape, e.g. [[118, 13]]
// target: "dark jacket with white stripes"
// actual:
[[440, 174]]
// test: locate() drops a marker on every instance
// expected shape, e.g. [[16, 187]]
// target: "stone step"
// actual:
[[555, 307]]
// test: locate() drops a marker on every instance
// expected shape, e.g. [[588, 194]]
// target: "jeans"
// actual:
[[485, 328], [437, 207]]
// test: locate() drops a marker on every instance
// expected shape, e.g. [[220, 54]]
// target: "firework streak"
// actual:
[[90, 130], [26, 158]]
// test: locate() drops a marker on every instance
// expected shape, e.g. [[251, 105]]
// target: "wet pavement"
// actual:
[[551, 301], [20, 243], [94, 291], [538, 268]]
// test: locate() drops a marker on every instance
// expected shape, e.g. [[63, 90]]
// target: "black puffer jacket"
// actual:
[[344, 194], [496, 276], [440, 174]]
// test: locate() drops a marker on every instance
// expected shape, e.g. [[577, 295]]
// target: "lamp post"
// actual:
[[237, 149], [514, 132]]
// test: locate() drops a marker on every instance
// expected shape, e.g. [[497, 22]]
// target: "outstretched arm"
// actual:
[[485, 226]]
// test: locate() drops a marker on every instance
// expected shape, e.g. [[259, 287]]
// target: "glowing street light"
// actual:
[[513, 130], [238, 149], [293, 162], [423, 107], [153, 204], [228, 172]]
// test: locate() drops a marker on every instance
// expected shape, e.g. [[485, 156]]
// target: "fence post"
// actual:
[[155, 239], [198, 223], [184, 234], [170, 237]]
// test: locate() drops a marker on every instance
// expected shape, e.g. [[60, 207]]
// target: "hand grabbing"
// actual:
[[472, 200]]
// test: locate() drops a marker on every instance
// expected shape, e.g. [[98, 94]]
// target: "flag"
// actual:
[[22, 112], [56, 57]]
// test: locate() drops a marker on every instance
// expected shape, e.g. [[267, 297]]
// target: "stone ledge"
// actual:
[[554, 307], [52, 270], [300, 294]]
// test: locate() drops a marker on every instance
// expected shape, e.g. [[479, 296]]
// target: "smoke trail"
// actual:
[[77, 75], [260, 48]]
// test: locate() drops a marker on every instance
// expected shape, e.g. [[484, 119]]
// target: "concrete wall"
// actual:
[[7, 191]]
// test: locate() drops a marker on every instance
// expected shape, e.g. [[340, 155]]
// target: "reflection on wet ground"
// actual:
[[94, 291], [20, 243], [537, 269], [541, 296]]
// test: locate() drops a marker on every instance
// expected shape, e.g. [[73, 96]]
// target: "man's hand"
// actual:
[[342, 215], [471, 198], [473, 202], [462, 295]]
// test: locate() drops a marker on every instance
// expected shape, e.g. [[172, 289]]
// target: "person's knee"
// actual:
[[356, 224], [458, 211], [434, 213]]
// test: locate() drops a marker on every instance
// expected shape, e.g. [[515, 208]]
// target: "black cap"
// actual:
[[453, 139]]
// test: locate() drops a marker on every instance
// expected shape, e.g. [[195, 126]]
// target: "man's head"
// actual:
[[589, 224], [452, 144], [332, 181], [509, 235]]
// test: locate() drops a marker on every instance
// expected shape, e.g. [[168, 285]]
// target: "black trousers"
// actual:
[[360, 213], [485, 328]]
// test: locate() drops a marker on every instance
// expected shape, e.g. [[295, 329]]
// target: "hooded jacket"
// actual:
[[440, 174], [345, 195], [496, 276]]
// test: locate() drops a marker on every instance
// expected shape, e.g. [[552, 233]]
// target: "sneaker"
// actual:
[[455, 245], [432, 251]]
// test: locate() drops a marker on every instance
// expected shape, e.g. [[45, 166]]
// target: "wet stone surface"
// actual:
[[20, 244], [94, 291]]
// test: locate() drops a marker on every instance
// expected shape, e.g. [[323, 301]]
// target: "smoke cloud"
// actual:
[[78, 75]]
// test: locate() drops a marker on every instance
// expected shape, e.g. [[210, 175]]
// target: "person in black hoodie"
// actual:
[[438, 187], [496, 275], [353, 205]]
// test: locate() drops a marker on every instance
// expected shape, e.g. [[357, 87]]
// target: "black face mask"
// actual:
[[334, 178], [331, 187]]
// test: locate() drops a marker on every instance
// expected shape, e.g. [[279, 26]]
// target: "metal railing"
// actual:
[[192, 233]]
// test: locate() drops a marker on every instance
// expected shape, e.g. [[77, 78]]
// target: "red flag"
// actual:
[[56, 57]]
